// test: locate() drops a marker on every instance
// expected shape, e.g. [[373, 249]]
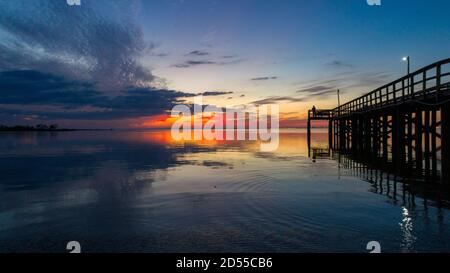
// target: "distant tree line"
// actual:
[[38, 127]]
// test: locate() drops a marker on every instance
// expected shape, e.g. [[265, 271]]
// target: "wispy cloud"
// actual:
[[340, 64], [315, 89], [216, 93], [198, 53], [265, 78], [229, 56], [193, 63], [359, 82], [161, 55], [314, 92], [277, 99], [371, 79]]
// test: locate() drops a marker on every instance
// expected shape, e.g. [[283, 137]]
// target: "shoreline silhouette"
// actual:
[[43, 128]]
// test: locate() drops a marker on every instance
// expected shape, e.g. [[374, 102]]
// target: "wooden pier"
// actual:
[[404, 124]]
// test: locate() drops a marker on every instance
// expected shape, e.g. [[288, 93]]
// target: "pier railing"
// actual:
[[426, 84]]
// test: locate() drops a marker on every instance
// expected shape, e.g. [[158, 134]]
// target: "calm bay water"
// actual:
[[135, 191]]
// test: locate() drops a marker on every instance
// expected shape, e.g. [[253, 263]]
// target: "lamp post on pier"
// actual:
[[407, 60]]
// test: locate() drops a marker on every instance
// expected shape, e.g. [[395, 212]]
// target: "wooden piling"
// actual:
[[418, 140], [385, 137], [433, 143], [445, 139]]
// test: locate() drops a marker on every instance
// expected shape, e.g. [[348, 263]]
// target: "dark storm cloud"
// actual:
[[31, 87], [29, 92], [137, 102], [37, 93], [264, 78], [98, 41]]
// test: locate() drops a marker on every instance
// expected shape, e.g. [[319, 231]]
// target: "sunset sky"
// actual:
[[124, 64]]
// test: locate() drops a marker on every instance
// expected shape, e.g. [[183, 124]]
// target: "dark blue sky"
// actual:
[[293, 52]]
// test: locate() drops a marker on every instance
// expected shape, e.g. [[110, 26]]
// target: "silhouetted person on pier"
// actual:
[[314, 110]]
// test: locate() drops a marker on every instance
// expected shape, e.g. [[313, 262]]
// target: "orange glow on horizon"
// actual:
[[165, 121]]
